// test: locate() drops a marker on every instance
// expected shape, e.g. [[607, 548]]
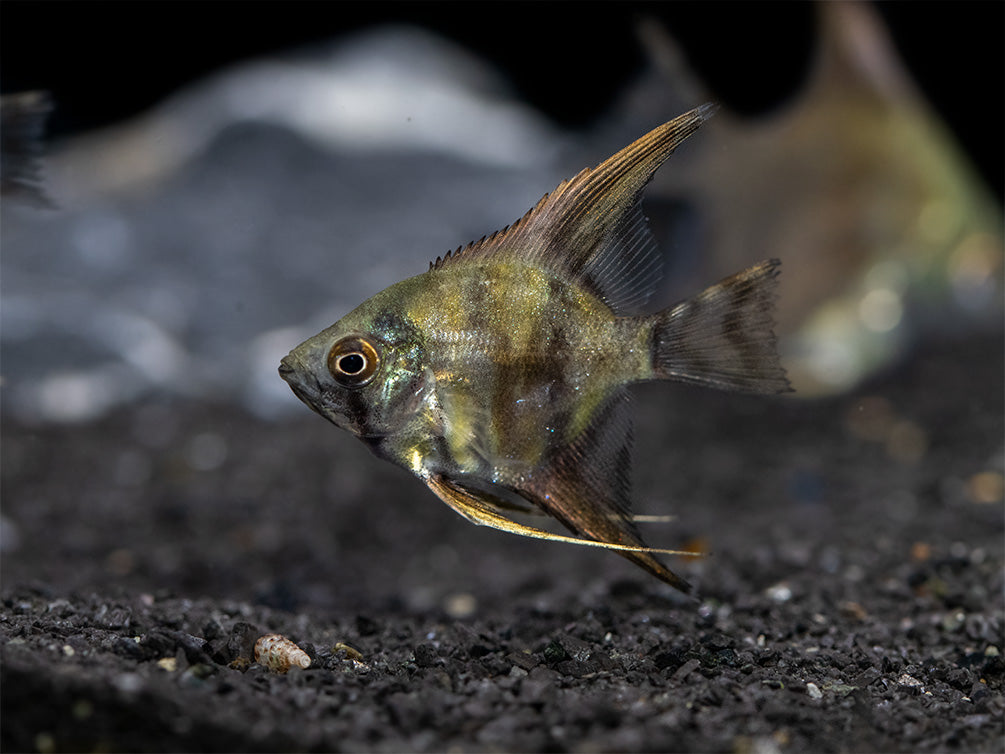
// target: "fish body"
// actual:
[[22, 126], [499, 377]]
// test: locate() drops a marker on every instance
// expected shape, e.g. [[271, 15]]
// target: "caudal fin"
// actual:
[[723, 337]]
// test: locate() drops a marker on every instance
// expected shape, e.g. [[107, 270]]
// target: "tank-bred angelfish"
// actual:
[[499, 376]]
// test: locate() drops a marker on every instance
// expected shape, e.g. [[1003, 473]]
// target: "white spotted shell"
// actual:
[[279, 654]]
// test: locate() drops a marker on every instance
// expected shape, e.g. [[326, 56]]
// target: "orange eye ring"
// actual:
[[353, 361]]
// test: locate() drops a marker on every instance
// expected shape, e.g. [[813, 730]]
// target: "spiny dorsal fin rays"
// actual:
[[591, 229], [486, 246]]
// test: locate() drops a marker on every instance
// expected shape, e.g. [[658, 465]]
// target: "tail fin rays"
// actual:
[[723, 337]]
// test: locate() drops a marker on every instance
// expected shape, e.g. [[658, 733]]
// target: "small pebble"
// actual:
[[779, 592], [461, 605], [986, 487], [920, 552], [128, 683], [853, 610], [351, 653], [953, 621]]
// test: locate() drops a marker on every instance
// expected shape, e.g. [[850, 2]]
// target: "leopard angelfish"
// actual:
[[500, 376]]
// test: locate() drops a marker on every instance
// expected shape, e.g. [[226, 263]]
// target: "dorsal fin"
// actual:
[[591, 229]]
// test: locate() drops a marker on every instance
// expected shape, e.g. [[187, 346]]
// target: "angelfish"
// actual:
[[499, 377], [22, 128]]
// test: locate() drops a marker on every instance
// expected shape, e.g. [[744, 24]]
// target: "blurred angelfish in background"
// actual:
[[887, 233]]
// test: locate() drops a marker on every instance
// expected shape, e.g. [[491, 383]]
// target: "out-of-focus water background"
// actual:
[[228, 180]]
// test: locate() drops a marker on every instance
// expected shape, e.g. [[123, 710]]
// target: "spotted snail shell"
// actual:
[[279, 654]]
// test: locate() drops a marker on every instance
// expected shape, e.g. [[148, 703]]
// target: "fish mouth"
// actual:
[[288, 370], [292, 373]]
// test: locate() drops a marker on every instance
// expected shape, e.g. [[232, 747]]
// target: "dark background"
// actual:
[[107, 61]]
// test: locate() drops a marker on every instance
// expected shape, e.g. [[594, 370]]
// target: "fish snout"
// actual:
[[301, 382], [286, 368]]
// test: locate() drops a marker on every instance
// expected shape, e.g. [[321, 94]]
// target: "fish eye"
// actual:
[[353, 361]]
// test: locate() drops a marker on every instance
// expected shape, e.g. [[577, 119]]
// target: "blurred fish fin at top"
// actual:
[[22, 129], [887, 232]]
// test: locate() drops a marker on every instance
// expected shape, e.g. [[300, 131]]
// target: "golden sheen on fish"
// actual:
[[499, 377]]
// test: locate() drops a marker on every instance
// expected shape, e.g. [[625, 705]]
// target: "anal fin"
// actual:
[[584, 485]]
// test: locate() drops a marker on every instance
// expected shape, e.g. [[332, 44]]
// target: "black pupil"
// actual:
[[352, 363]]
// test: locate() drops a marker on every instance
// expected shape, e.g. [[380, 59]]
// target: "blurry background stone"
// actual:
[[258, 201]]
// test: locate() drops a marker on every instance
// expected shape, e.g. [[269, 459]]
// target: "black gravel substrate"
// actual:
[[853, 600]]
